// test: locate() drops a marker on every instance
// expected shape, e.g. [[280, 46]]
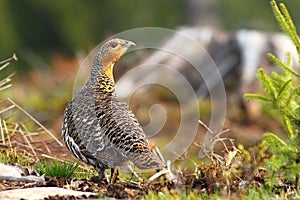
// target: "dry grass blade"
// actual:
[[14, 57], [18, 129], [37, 122], [2, 132], [6, 109], [16, 134], [53, 158], [4, 66], [209, 141], [47, 148], [5, 82], [27, 141]]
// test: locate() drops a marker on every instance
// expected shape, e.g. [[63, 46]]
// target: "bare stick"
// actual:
[[30, 178]]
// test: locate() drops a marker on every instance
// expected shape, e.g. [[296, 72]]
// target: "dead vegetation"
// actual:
[[231, 173]]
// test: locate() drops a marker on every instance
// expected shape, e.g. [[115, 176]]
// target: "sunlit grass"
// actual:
[[11, 156], [84, 172], [56, 168], [180, 195]]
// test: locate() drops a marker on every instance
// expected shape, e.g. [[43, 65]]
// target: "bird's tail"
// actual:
[[146, 159]]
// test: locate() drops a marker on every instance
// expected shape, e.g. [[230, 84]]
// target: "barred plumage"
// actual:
[[99, 129]]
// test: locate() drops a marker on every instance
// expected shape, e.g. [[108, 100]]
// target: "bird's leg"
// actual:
[[99, 178], [114, 175], [101, 175]]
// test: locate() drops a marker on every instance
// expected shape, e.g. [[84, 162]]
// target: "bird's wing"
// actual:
[[126, 135], [86, 140]]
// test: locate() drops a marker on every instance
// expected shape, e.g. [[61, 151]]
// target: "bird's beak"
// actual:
[[129, 44]]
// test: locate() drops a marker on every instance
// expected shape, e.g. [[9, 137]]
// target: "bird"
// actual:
[[97, 127]]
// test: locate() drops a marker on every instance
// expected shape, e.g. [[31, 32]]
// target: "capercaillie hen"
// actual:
[[99, 129]]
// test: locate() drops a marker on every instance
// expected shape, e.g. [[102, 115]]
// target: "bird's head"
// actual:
[[109, 53]]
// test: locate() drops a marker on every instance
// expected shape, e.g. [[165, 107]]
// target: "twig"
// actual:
[[2, 134], [209, 140], [133, 172], [167, 172], [14, 57], [12, 133], [47, 148], [3, 66], [205, 126], [157, 151], [5, 87], [27, 135], [26, 146], [30, 178], [27, 132], [8, 136], [7, 109], [29, 144]]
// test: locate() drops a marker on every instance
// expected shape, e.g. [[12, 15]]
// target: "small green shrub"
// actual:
[[282, 95], [64, 169]]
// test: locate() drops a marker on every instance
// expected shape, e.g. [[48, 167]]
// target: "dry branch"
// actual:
[[27, 179]]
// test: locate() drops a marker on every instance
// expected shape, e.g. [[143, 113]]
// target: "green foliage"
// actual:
[[233, 14], [263, 193], [286, 23], [84, 173], [282, 94], [284, 162], [64, 169], [12, 156], [70, 26], [178, 195]]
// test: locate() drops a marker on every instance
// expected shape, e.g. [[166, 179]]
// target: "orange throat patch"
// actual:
[[108, 70]]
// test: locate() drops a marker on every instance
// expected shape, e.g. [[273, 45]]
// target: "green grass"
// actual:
[[64, 169], [166, 194], [282, 156], [11, 156], [55, 168], [260, 193], [281, 95], [84, 173], [266, 193], [252, 193]]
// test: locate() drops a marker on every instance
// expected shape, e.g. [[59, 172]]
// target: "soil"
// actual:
[[127, 189]]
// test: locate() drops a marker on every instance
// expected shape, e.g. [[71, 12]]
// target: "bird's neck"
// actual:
[[101, 82]]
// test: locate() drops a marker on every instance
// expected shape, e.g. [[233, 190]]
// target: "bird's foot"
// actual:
[[98, 179], [114, 175]]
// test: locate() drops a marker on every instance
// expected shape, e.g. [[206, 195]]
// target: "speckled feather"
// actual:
[[99, 129]]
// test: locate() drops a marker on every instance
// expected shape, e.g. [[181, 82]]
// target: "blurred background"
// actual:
[[43, 29], [51, 38]]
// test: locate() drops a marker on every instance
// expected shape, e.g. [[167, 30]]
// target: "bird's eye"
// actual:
[[114, 45]]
